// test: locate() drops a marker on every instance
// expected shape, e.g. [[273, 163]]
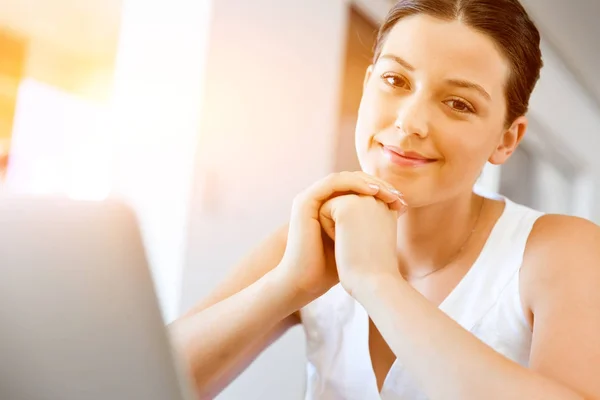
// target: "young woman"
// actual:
[[437, 292]]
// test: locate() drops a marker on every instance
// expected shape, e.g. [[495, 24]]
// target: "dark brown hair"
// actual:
[[505, 21]]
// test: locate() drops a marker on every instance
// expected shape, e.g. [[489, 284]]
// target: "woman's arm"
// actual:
[[221, 336], [560, 282], [446, 360], [561, 275]]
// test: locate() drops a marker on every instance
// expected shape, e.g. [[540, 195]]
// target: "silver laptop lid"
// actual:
[[79, 316]]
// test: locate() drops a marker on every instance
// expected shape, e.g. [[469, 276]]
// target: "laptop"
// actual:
[[79, 318]]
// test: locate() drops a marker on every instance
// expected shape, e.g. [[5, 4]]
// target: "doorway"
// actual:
[[360, 38]]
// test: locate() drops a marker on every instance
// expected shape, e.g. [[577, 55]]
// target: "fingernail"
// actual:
[[397, 193], [374, 186]]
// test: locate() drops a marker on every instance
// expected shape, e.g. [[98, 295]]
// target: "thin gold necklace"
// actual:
[[460, 250]]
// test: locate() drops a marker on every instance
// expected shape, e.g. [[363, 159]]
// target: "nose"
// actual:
[[413, 118]]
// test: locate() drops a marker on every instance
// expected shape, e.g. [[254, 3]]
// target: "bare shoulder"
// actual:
[[562, 252], [556, 236], [559, 288]]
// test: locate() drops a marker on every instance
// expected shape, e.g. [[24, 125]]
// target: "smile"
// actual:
[[405, 159]]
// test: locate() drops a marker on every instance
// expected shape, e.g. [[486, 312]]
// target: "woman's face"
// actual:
[[433, 110]]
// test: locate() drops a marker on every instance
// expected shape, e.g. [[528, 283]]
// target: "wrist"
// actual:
[[376, 285], [286, 291]]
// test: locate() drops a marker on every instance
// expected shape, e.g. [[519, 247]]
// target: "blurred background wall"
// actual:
[[209, 116]]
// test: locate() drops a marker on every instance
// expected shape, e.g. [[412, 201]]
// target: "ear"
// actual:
[[368, 75], [509, 141]]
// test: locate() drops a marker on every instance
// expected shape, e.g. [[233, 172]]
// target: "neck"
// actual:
[[430, 237]]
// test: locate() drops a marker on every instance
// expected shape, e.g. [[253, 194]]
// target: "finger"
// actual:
[[399, 206], [388, 193], [311, 199], [374, 179], [343, 182], [327, 223]]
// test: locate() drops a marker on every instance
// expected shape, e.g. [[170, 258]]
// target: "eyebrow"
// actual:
[[399, 61], [469, 85], [453, 82]]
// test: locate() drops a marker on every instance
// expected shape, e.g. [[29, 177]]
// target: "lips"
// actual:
[[404, 158]]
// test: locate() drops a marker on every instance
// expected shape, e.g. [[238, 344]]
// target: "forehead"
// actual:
[[448, 50]]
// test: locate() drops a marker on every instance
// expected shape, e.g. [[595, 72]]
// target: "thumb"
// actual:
[[326, 220]]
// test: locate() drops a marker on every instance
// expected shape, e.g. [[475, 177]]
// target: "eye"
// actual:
[[460, 106], [395, 81]]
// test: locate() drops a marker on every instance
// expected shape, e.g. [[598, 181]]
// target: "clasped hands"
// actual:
[[364, 230], [342, 229]]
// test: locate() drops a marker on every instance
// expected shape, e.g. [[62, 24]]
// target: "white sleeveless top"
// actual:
[[486, 302]]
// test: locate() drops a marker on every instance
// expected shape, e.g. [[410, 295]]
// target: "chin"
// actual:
[[397, 177], [418, 189], [405, 183]]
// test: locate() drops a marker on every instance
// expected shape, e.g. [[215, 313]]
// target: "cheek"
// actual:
[[465, 152], [364, 129], [362, 140], [375, 114]]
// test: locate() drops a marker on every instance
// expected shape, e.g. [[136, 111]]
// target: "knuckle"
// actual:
[[327, 181], [331, 178], [369, 201], [349, 202], [364, 175], [298, 200], [357, 177]]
